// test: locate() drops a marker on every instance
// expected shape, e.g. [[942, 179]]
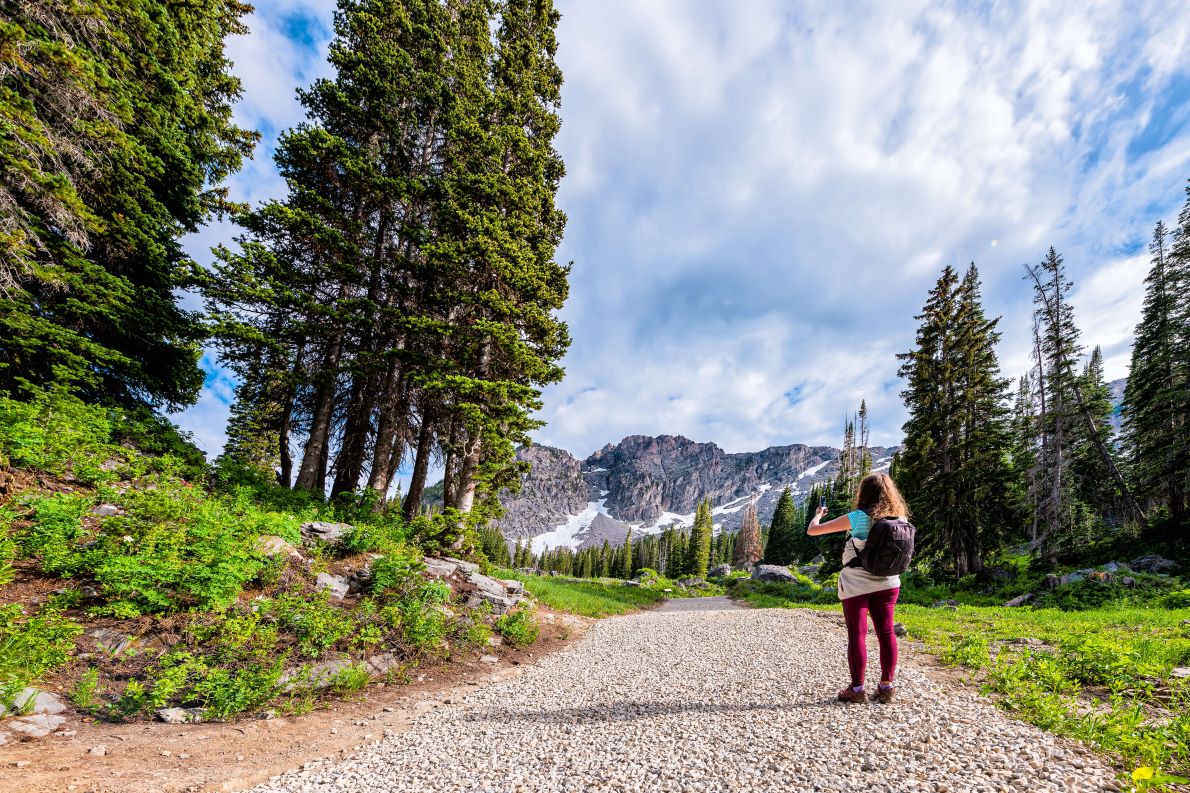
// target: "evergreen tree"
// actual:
[[954, 466], [1156, 428], [625, 557], [783, 539], [118, 135], [698, 551]]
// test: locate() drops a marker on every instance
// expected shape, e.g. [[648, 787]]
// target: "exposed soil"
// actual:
[[152, 756]]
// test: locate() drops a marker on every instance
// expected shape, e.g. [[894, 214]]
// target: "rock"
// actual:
[[1020, 600], [380, 665], [39, 725], [111, 641], [691, 582], [945, 604], [899, 629], [1116, 567], [466, 567], [489, 659], [337, 585], [1128, 581], [271, 545], [512, 586], [1153, 564], [818, 561], [439, 568], [31, 701], [180, 715], [1028, 641], [322, 531], [632, 582], [1052, 581], [106, 510], [98, 751], [1072, 578], [772, 572], [1181, 672], [719, 571]]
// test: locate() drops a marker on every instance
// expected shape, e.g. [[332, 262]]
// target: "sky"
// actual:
[[760, 194]]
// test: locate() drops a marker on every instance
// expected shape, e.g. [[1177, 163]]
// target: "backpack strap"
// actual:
[[855, 560]]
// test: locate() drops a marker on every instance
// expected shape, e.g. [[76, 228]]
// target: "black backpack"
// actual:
[[889, 548]]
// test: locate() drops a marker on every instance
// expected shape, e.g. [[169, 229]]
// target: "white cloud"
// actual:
[[760, 194]]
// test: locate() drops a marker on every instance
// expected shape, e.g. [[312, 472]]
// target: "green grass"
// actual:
[[594, 598], [1099, 675]]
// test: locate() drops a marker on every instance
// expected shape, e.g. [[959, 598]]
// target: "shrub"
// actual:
[[519, 627], [83, 693], [32, 646]]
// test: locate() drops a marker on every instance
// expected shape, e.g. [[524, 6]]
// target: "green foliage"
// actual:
[[315, 623], [119, 131], [588, 598], [32, 646], [519, 627], [85, 689]]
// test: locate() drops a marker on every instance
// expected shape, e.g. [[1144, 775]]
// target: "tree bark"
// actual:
[[421, 465], [312, 474]]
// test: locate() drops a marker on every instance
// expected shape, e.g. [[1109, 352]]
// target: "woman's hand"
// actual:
[[816, 527], [819, 514]]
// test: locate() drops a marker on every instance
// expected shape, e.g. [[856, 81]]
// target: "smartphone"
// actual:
[[822, 503]]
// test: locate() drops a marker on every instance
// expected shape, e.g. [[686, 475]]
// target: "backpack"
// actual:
[[889, 548]]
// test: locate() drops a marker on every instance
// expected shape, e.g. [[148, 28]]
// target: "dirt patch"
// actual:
[[152, 756]]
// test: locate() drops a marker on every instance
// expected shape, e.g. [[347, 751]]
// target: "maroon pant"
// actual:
[[855, 612]]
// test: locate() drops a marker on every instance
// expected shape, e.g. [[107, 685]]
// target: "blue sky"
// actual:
[[760, 194]]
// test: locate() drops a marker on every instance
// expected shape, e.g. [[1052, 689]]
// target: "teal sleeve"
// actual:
[[861, 524]]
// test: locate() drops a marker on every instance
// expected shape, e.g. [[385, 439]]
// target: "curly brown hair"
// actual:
[[878, 496]]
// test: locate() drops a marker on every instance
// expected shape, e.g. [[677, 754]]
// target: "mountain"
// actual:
[[647, 484]]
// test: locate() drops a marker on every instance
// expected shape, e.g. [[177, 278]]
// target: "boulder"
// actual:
[[31, 701], [106, 510], [322, 531], [512, 586], [689, 582], [439, 568], [1072, 578], [1052, 581], [1128, 581], [180, 715], [111, 641], [1153, 564], [1101, 577], [631, 582], [492, 591], [1020, 600], [818, 561], [1116, 567], [1181, 672], [719, 571], [772, 572], [271, 545], [37, 725], [336, 584], [466, 567]]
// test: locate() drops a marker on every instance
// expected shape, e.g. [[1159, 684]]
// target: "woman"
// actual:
[[860, 591]]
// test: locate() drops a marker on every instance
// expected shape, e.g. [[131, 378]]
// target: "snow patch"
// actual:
[[597, 471], [604, 492], [812, 470], [568, 534]]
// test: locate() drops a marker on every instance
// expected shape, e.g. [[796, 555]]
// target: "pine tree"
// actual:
[[1155, 424], [625, 557], [954, 466], [784, 532], [747, 550], [1093, 481], [698, 551], [118, 135]]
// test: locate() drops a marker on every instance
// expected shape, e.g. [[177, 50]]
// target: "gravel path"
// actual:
[[702, 696]]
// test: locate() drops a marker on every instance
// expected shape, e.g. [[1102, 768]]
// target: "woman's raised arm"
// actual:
[[842, 523]]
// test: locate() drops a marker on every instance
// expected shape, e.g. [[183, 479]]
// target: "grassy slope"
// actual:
[[216, 621], [595, 598], [1100, 675]]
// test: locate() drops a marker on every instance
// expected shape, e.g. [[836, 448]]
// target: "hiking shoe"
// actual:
[[885, 694], [856, 697]]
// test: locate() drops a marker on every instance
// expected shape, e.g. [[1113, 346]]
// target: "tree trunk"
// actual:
[[312, 474], [421, 466]]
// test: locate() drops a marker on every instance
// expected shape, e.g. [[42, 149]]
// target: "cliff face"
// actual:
[[648, 483]]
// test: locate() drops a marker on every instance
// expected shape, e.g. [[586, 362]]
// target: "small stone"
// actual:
[[1020, 600], [322, 531], [489, 659], [1181, 672], [180, 715], [337, 585], [98, 751], [106, 510], [899, 629]]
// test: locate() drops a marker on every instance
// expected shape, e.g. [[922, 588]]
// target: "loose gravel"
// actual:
[[702, 696]]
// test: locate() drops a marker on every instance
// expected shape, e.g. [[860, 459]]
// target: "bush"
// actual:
[[32, 646], [519, 627]]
